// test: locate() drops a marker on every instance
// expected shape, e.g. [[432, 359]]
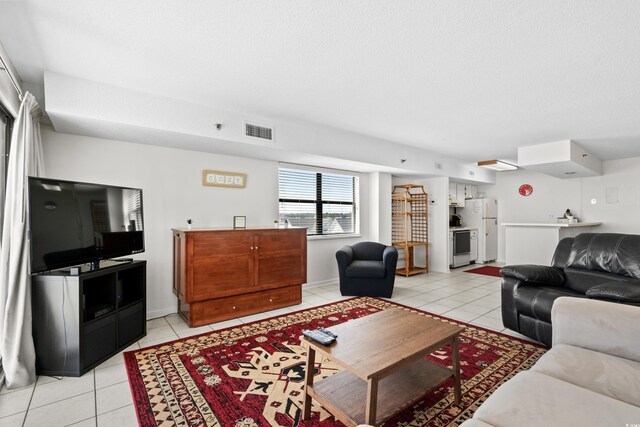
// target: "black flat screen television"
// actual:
[[75, 223]]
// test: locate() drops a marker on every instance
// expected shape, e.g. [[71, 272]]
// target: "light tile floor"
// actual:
[[102, 397]]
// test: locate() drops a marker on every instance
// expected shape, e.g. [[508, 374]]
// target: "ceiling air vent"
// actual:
[[256, 131]]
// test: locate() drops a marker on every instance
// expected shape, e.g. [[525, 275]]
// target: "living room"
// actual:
[[151, 96]]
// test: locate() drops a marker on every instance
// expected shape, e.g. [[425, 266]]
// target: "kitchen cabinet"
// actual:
[[456, 195], [474, 246], [470, 191]]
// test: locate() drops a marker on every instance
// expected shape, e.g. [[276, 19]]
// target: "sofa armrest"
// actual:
[[616, 291], [534, 274], [600, 326], [344, 256], [390, 259]]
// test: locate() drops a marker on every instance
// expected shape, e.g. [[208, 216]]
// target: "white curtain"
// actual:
[[25, 159]]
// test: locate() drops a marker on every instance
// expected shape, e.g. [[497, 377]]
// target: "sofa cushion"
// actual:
[[616, 291], [536, 301], [531, 399], [581, 281], [599, 372], [373, 269], [534, 274], [607, 252]]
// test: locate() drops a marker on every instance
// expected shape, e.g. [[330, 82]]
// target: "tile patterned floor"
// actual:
[[102, 397]]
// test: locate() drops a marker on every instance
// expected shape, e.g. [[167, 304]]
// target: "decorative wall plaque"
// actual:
[[224, 179]]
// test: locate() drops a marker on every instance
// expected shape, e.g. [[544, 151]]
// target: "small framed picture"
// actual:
[[239, 222]]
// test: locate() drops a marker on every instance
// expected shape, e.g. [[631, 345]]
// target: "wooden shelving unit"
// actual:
[[409, 228]]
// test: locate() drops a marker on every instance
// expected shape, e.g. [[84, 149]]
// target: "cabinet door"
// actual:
[[474, 246], [281, 257], [470, 191], [178, 263], [219, 264], [453, 193], [460, 195], [450, 248]]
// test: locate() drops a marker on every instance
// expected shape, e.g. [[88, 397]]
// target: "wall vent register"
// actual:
[[256, 131]]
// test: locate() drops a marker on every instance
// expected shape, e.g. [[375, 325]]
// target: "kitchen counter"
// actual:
[[461, 228], [535, 243], [550, 224]]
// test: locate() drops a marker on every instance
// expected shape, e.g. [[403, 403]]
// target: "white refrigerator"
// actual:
[[483, 215]]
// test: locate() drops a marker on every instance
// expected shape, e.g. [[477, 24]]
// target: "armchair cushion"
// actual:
[[344, 256], [616, 291], [368, 251], [535, 274], [373, 269]]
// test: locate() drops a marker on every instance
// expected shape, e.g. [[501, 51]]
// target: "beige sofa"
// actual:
[[590, 377]]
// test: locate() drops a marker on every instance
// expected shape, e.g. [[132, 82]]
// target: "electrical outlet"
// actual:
[[594, 201], [551, 216]]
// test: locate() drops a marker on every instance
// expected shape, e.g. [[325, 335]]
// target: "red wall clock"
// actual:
[[525, 190]]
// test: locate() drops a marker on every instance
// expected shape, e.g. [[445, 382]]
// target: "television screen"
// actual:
[[75, 222]]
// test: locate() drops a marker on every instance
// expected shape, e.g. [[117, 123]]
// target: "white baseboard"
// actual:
[[161, 312], [320, 283]]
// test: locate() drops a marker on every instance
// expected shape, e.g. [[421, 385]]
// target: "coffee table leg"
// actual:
[[455, 349], [372, 400], [308, 382]]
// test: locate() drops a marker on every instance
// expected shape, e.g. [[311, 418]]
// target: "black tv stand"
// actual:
[[89, 267], [81, 321]]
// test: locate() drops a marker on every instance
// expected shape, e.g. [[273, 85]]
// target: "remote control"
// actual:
[[328, 332], [318, 336]]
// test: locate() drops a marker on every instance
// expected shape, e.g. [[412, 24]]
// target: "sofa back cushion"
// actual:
[[562, 253], [606, 252], [580, 280]]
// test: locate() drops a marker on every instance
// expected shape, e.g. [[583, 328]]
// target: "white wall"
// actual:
[[171, 180], [552, 196], [438, 192], [84, 107], [380, 185]]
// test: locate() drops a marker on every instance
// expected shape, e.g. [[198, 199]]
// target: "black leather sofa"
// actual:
[[604, 266], [367, 269]]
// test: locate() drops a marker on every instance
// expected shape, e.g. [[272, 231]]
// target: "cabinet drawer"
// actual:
[[99, 339], [219, 309], [131, 324]]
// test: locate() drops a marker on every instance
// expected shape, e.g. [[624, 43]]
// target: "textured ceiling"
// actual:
[[468, 79]]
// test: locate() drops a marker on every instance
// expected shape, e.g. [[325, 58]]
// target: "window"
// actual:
[[6, 122], [324, 203]]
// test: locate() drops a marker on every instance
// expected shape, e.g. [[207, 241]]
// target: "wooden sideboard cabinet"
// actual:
[[220, 274]]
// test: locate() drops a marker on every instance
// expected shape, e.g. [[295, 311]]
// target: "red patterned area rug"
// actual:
[[253, 375], [487, 270]]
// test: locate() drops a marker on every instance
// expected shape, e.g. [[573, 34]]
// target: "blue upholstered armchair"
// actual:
[[367, 269]]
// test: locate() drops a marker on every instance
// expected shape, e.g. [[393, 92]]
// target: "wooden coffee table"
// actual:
[[385, 370]]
